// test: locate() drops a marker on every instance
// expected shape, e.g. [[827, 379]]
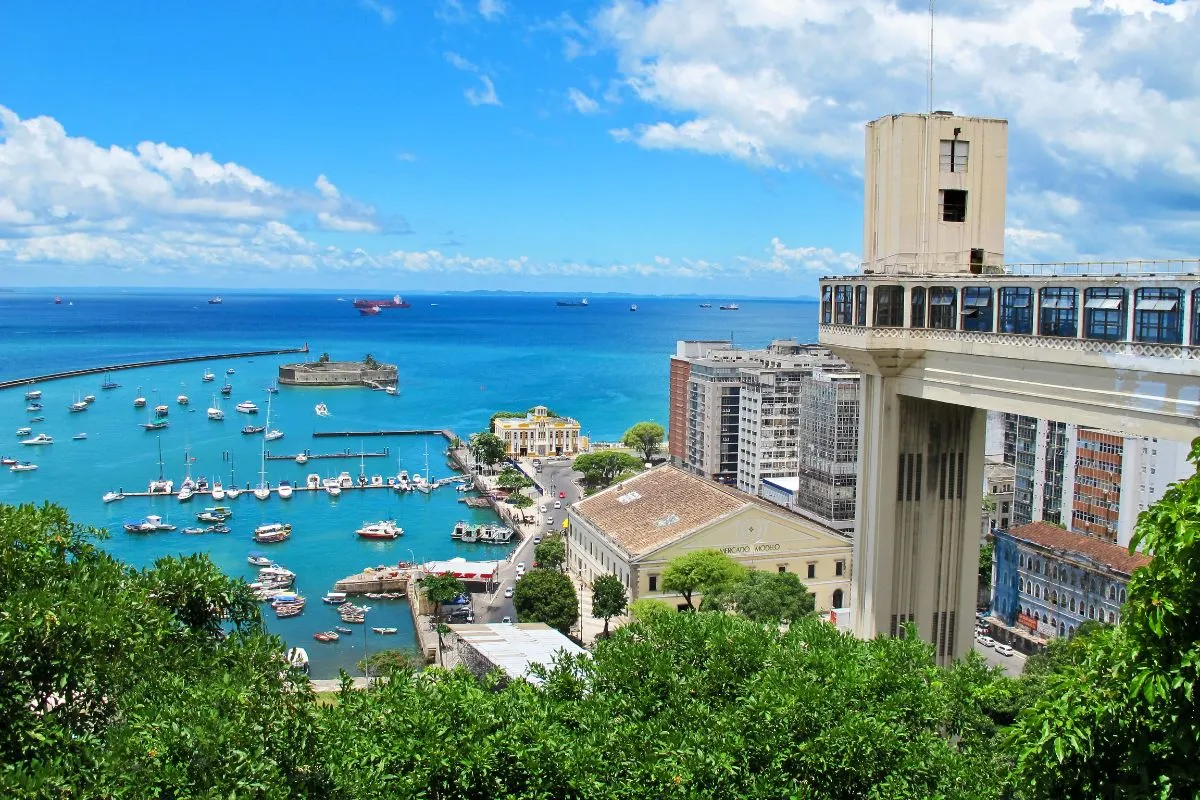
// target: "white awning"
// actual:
[[1058, 302], [941, 300], [1104, 302], [1157, 305]]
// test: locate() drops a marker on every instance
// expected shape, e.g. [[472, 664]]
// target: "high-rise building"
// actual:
[[828, 466], [1038, 449]]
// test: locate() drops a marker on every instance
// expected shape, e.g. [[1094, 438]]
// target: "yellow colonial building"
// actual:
[[635, 528], [538, 434]]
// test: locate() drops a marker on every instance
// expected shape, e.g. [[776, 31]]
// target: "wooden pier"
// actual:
[[158, 362], [317, 456], [448, 435]]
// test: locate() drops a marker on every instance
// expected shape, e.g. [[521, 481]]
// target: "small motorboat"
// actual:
[[321, 409], [112, 497], [218, 491], [229, 371], [343, 629], [24, 431], [326, 636], [252, 429], [38, 419], [193, 531], [182, 400], [285, 610], [258, 560], [332, 487], [227, 389], [24, 466], [384, 529], [161, 411], [186, 491], [89, 399], [34, 395], [216, 414], [79, 437], [272, 435], [246, 407], [139, 401], [215, 514], [390, 389], [33, 408], [334, 598], [385, 631], [302, 458], [218, 528], [285, 490], [208, 376], [41, 438]]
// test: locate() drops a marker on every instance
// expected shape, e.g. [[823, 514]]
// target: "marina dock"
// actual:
[[316, 456], [390, 579], [158, 362], [247, 489], [448, 435]]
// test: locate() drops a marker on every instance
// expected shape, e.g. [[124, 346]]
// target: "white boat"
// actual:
[[302, 458], [182, 400], [729, 307], [322, 410], [139, 401], [34, 395], [313, 481], [334, 598], [633, 307], [271, 436], [160, 485], [332, 487], [262, 491], [285, 490], [24, 431], [24, 466], [258, 560], [41, 438], [384, 529], [246, 407], [233, 493], [112, 497], [214, 411], [208, 376], [89, 398], [77, 406], [218, 491], [390, 389]]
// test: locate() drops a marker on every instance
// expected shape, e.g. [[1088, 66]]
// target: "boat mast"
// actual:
[[160, 458]]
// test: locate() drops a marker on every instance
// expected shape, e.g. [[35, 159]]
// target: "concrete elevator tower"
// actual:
[[942, 330]]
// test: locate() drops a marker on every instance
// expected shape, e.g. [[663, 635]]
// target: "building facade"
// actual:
[[538, 434], [1048, 581], [635, 528], [828, 463], [998, 484]]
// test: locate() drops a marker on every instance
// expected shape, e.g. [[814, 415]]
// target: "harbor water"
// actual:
[[460, 358]]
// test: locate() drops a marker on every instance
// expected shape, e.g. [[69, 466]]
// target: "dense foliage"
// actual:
[[700, 571], [763, 597], [440, 590], [609, 598], [645, 438], [486, 448], [546, 595], [512, 478], [605, 467], [550, 553]]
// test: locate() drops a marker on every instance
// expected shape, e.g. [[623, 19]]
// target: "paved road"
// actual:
[[1013, 665]]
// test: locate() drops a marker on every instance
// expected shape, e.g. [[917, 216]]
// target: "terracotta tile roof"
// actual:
[[659, 506], [1070, 543]]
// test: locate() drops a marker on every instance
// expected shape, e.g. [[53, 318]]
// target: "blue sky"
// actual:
[[707, 146]]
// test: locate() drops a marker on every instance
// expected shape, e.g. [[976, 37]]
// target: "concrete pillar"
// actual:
[[917, 548]]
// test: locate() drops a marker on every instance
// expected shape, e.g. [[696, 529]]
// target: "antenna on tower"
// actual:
[[931, 2]]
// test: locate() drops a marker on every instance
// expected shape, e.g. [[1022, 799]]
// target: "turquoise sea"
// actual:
[[461, 357]]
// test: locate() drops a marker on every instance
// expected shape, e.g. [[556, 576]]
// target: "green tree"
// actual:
[[369, 361], [324, 359], [700, 571], [1117, 716], [386, 663], [487, 448], [985, 564], [544, 595], [440, 590], [511, 478], [646, 607], [550, 553], [520, 501], [603, 468], [764, 597], [455, 442], [609, 599], [645, 438]]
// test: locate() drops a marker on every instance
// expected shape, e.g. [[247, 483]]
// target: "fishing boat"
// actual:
[[246, 407], [572, 303], [24, 431], [249, 430], [385, 631], [40, 439], [208, 376], [79, 437], [7, 461], [258, 560], [109, 383], [706, 305], [390, 389], [112, 497], [193, 531], [162, 411], [729, 307], [150, 524], [273, 532], [285, 610], [24, 466], [285, 490], [217, 528], [326, 636], [321, 410], [139, 401], [384, 529], [334, 598]]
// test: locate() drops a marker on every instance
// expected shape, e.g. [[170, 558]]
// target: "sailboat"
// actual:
[[139, 401], [161, 485], [233, 491], [182, 399], [188, 487], [208, 376], [109, 383], [156, 422], [263, 491], [424, 483]]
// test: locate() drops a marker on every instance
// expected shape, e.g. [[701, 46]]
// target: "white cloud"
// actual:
[[385, 12], [492, 9], [581, 102], [1102, 94], [476, 96], [326, 188]]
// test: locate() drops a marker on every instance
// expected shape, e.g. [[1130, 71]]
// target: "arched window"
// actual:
[[1037, 591], [1110, 618], [1021, 561], [1091, 612], [1021, 584], [837, 598], [1112, 592], [1122, 594], [1062, 629], [1054, 597], [1072, 605]]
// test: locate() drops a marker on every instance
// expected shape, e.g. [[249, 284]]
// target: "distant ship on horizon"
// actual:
[[215, 301], [582, 302], [396, 302]]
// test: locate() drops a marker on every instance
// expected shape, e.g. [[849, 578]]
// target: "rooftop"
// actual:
[[662, 505], [1069, 543], [513, 648]]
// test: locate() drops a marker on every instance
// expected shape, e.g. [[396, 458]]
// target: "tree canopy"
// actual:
[[700, 571], [546, 595], [609, 598], [441, 589], [487, 448], [512, 478], [763, 597], [550, 553], [645, 438], [603, 468]]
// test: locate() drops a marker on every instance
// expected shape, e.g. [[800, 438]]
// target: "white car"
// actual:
[[508, 591], [986, 641], [550, 522], [542, 508], [1004, 650], [506, 620], [520, 566], [557, 504], [537, 540]]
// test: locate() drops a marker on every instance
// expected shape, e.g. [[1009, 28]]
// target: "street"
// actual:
[[1013, 665]]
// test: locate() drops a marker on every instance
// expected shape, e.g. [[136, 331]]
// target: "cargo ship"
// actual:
[[396, 302], [568, 303]]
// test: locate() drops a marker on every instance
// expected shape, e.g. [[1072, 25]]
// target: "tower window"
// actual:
[[953, 156], [1157, 317], [952, 203]]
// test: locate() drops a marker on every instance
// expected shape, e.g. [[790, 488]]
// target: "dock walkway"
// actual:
[[448, 435], [158, 362]]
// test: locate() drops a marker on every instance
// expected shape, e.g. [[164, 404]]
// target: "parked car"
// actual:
[[537, 540], [986, 641], [508, 591], [1004, 650], [520, 566], [506, 620]]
